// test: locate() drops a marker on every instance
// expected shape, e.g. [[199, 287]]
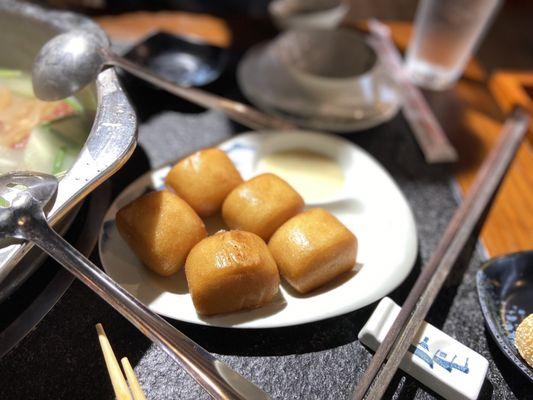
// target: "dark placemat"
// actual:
[[61, 359]]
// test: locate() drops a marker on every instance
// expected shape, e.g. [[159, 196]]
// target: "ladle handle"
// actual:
[[220, 381], [239, 112]]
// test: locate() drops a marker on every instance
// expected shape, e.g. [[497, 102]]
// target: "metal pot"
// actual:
[[24, 28]]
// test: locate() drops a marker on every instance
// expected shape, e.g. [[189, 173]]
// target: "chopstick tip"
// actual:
[[100, 329], [519, 112]]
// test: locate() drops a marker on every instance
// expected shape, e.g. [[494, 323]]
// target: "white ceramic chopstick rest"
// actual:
[[440, 362]]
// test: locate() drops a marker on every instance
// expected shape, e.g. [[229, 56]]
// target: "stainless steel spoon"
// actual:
[[23, 196], [72, 60]]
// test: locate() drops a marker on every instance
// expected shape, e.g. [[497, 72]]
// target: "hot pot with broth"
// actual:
[[83, 140]]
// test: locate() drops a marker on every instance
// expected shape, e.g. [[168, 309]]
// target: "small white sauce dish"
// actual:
[[290, 14]]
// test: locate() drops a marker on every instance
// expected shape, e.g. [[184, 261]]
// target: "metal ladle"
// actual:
[[23, 197], [70, 61]]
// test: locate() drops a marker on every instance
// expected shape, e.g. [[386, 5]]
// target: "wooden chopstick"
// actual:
[[120, 386], [427, 131], [135, 388], [433, 275]]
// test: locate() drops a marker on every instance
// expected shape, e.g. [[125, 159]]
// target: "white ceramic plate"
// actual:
[[267, 84], [373, 208]]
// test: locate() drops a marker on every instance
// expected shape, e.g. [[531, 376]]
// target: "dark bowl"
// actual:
[[184, 60], [505, 290]]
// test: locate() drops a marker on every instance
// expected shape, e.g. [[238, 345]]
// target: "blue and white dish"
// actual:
[[505, 290]]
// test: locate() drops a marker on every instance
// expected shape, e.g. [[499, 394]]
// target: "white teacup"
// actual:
[[290, 14], [336, 66]]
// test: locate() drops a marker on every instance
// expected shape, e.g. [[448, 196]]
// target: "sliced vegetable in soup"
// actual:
[[36, 135]]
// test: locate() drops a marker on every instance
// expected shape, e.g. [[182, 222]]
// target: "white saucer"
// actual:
[[265, 81], [374, 209]]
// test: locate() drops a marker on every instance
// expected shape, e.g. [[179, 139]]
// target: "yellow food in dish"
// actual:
[[231, 271], [204, 179], [312, 248], [261, 205], [524, 339], [161, 229], [236, 270]]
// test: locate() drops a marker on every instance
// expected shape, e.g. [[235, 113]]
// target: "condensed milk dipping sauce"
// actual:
[[318, 178]]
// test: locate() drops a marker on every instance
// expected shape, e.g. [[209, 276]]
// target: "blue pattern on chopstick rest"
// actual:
[[436, 359], [439, 357]]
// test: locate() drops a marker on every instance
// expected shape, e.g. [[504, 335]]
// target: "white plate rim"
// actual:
[[411, 254]]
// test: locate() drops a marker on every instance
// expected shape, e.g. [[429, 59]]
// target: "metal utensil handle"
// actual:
[[239, 112], [427, 286], [220, 381]]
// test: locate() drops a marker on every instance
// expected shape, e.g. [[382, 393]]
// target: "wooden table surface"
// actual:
[[468, 113], [472, 119]]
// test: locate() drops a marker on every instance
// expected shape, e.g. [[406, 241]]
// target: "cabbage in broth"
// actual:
[[36, 135]]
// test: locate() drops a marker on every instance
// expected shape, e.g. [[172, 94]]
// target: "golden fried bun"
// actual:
[[261, 205], [524, 339], [161, 229], [312, 248], [231, 271], [204, 179]]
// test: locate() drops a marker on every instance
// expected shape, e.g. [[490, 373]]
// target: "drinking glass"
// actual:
[[446, 33]]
